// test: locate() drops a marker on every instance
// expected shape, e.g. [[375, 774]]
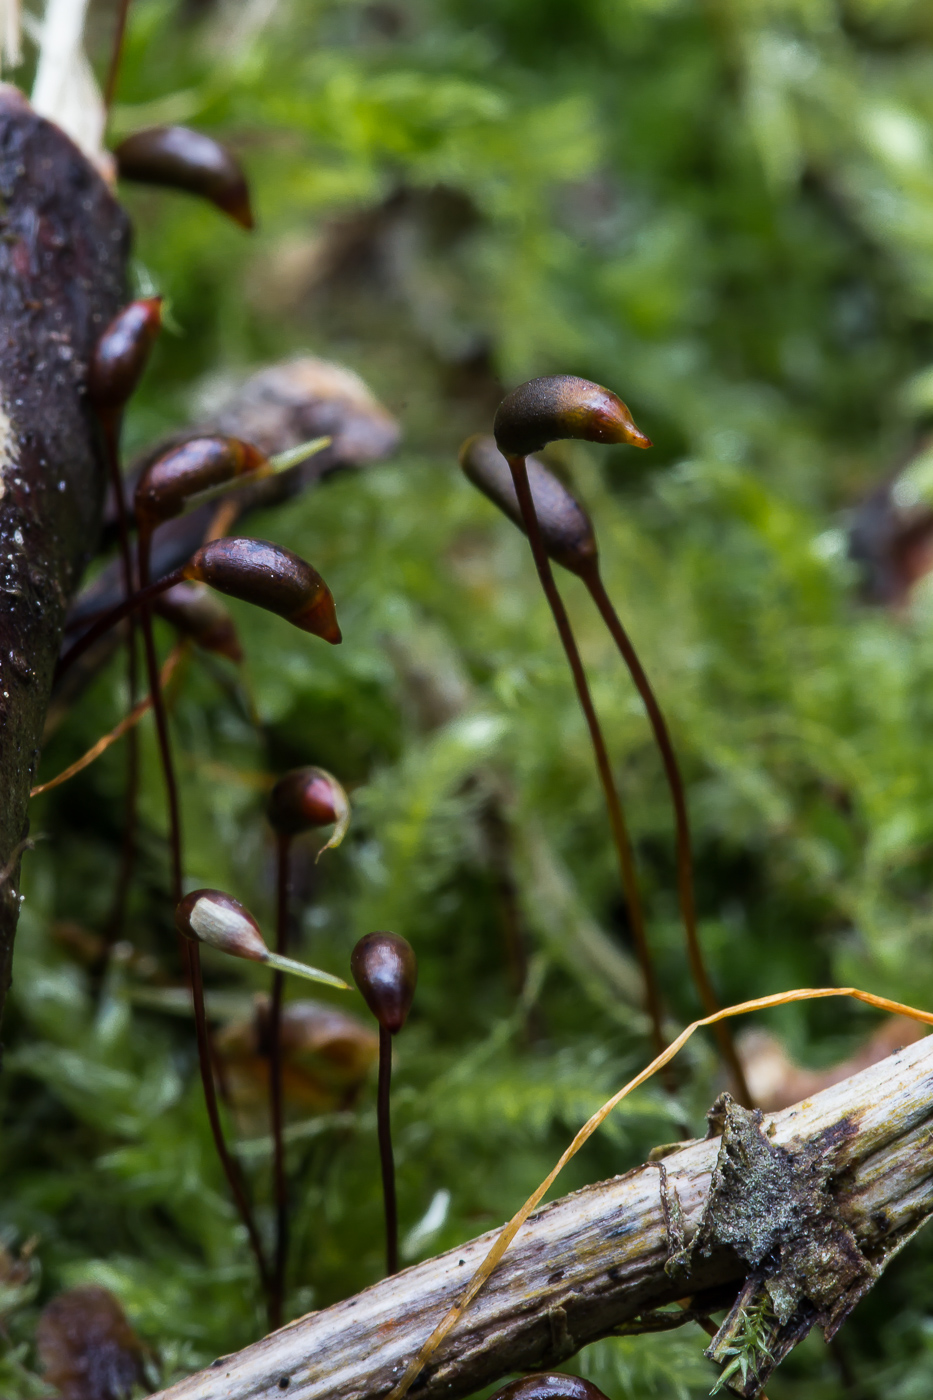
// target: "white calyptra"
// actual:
[[214, 918], [229, 927], [11, 33], [65, 90]]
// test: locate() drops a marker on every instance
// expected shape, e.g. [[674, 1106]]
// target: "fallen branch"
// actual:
[[853, 1164]]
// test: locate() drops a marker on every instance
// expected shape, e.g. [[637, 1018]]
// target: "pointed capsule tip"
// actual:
[[320, 618], [242, 214]]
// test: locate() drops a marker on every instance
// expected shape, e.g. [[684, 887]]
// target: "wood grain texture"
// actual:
[[64, 243], [594, 1261]]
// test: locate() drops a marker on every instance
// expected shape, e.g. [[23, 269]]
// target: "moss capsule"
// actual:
[[566, 528], [181, 159], [270, 577], [562, 406], [199, 614], [308, 798], [385, 969], [549, 1385], [121, 354], [165, 486]]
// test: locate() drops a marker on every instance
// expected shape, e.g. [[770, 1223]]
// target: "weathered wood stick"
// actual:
[[857, 1158], [64, 244]]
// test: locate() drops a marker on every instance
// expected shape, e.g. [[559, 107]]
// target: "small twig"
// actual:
[[127, 723], [386, 1160], [111, 425]]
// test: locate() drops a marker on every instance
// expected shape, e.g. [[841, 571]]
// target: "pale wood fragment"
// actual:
[[594, 1260]]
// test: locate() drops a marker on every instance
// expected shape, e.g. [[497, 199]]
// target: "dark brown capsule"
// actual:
[[198, 464], [562, 406], [181, 159], [566, 528], [549, 1385], [269, 577], [385, 969], [199, 614], [120, 356], [307, 798]]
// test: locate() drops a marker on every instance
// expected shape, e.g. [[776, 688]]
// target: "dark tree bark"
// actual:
[[64, 243]]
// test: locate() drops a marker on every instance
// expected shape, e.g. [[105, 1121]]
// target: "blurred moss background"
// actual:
[[722, 210]]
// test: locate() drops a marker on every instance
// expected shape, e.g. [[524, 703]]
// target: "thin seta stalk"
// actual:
[[191, 951], [117, 919], [620, 836], [302, 800], [592, 578], [386, 1159], [280, 1262], [116, 365]]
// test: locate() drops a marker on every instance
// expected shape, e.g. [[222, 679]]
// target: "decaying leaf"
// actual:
[[326, 1054], [19, 1277], [288, 403], [776, 1080], [87, 1348]]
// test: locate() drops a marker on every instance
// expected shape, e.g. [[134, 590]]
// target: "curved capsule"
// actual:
[[269, 577], [200, 615], [181, 159], [307, 798], [385, 969], [165, 486], [549, 1385], [566, 528], [562, 406], [120, 356]]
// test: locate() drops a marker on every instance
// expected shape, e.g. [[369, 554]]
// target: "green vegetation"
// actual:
[[725, 213]]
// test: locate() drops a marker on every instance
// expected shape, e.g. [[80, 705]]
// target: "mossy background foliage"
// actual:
[[724, 211]]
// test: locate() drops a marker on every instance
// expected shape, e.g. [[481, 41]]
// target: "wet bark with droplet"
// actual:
[[64, 245]]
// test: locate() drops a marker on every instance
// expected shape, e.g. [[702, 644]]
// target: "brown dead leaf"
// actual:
[[777, 1081], [87, 1348], [326, 1054]]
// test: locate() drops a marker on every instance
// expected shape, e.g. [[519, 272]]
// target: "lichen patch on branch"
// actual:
[[772, 1206]]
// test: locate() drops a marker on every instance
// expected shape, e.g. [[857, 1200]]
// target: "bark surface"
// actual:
[[64, 243], [616, 1255]]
